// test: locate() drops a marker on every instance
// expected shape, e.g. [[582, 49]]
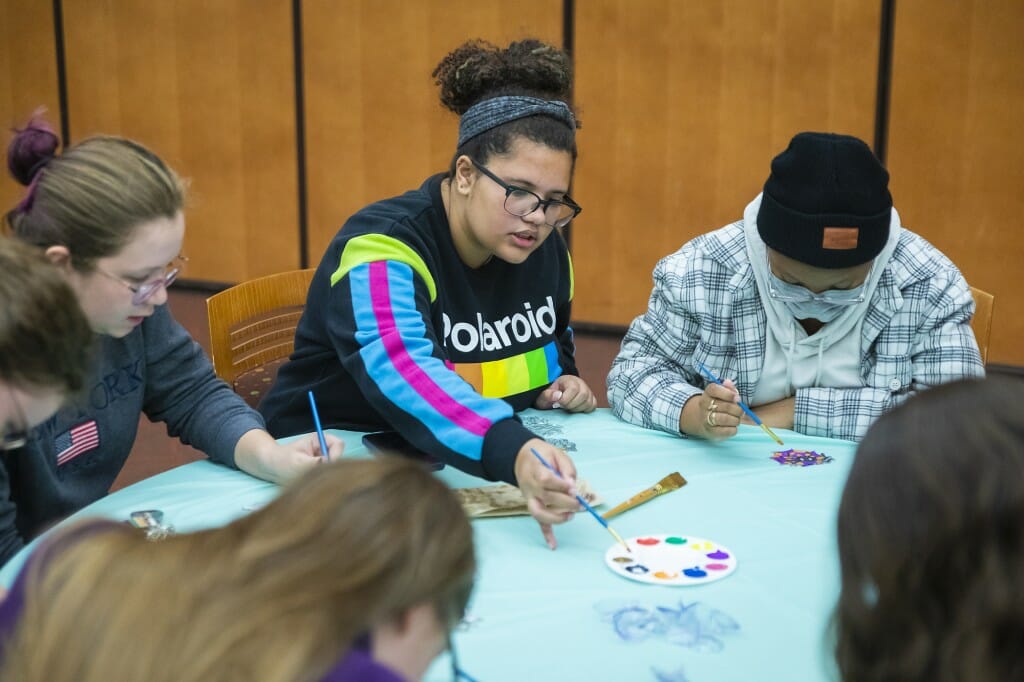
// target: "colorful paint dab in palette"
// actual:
[[674, 560], [801, 458]]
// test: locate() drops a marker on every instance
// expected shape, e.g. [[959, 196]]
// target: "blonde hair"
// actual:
[[91, 197], [278, 595]]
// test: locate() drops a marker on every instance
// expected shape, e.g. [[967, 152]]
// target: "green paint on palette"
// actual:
[[675, 541]]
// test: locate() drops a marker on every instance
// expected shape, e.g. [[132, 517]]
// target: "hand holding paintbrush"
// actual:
[[583, 503], [743, 406], [673, 481]]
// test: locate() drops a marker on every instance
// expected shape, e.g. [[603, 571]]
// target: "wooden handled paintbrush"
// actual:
[[673, 481]]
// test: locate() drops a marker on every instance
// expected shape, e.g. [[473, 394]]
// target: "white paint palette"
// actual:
[[672, 560]]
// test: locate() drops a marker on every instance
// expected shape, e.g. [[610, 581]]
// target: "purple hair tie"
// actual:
[[35, 144]]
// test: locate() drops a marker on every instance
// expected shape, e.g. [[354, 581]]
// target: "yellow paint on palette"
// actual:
[[702, 546]]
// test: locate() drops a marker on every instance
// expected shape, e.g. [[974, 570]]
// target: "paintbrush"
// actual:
[[743, 406], [586, 506], [319, 429], [673, 481]]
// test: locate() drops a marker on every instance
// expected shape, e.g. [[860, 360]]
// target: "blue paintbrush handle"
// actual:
[[319, 429], [743, 406], [578, 497]]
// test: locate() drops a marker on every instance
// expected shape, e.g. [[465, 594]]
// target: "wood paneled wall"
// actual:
[[28, 76], [209, 86], [683, 106], [956, 151]]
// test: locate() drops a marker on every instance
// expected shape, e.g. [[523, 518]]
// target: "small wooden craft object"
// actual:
[[506, 500], [673, 481]]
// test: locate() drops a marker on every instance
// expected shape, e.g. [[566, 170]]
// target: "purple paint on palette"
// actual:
[[718, 554], [694, 572]]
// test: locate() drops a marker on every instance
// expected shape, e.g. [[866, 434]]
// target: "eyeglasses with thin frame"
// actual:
[[143, 292], [522, 202], [13, 440], [832, 296]]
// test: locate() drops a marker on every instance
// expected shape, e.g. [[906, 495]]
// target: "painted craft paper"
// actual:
[[673, 560], [507, 500]]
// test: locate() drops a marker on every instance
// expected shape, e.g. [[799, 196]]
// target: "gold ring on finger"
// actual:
[[713, 406], [711, 419]]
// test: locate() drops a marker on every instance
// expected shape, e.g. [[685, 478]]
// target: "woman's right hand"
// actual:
[[550, 499], [714, 414]]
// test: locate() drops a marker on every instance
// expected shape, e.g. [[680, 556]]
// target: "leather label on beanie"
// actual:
[[840, 238]]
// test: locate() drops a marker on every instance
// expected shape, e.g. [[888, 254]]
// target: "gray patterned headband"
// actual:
[[491, 113]]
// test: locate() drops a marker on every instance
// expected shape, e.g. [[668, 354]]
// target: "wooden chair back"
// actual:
[[982, 321], [253, 323]]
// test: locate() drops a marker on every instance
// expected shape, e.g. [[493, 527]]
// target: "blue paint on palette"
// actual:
[[695, 572], [639, 569]]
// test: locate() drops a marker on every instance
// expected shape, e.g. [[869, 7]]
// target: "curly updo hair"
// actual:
[[478, 70], [931, 540]]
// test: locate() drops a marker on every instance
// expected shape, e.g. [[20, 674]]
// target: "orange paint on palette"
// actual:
[[647, 541], [666, 576]]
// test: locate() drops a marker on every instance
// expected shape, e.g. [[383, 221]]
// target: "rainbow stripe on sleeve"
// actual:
[[512, 375]]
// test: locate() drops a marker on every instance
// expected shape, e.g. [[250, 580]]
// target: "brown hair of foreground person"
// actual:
[[280, 594], [931, 540]]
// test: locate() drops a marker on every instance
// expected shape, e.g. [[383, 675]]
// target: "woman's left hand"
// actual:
[[259, 455], [569, 393]]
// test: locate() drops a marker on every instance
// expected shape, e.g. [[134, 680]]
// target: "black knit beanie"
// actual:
[[826, 202]]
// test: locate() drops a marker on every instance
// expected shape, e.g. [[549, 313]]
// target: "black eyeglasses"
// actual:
[[522, 202], [12, 440]]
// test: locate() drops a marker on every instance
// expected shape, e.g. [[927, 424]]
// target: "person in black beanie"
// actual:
[[819, 307]]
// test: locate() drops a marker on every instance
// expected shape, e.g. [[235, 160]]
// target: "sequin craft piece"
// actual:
[[801, 458], [671, 560]]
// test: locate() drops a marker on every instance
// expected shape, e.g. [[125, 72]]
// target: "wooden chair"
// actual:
[[982, 321], [252, 329]]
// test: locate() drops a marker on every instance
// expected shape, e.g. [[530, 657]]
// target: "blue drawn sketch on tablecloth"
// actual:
[[678, 675], [550, 432], [695, 626]]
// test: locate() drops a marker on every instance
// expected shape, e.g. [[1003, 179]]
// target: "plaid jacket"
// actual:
[[705, 307]]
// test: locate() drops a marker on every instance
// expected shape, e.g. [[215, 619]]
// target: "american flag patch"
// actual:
[[76, 441]]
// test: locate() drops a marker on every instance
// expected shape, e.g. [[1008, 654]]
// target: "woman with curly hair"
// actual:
[[357, 571], [931, 540], [441, 312]]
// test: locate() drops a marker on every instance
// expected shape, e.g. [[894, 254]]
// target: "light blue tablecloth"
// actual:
[[542, 615]]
